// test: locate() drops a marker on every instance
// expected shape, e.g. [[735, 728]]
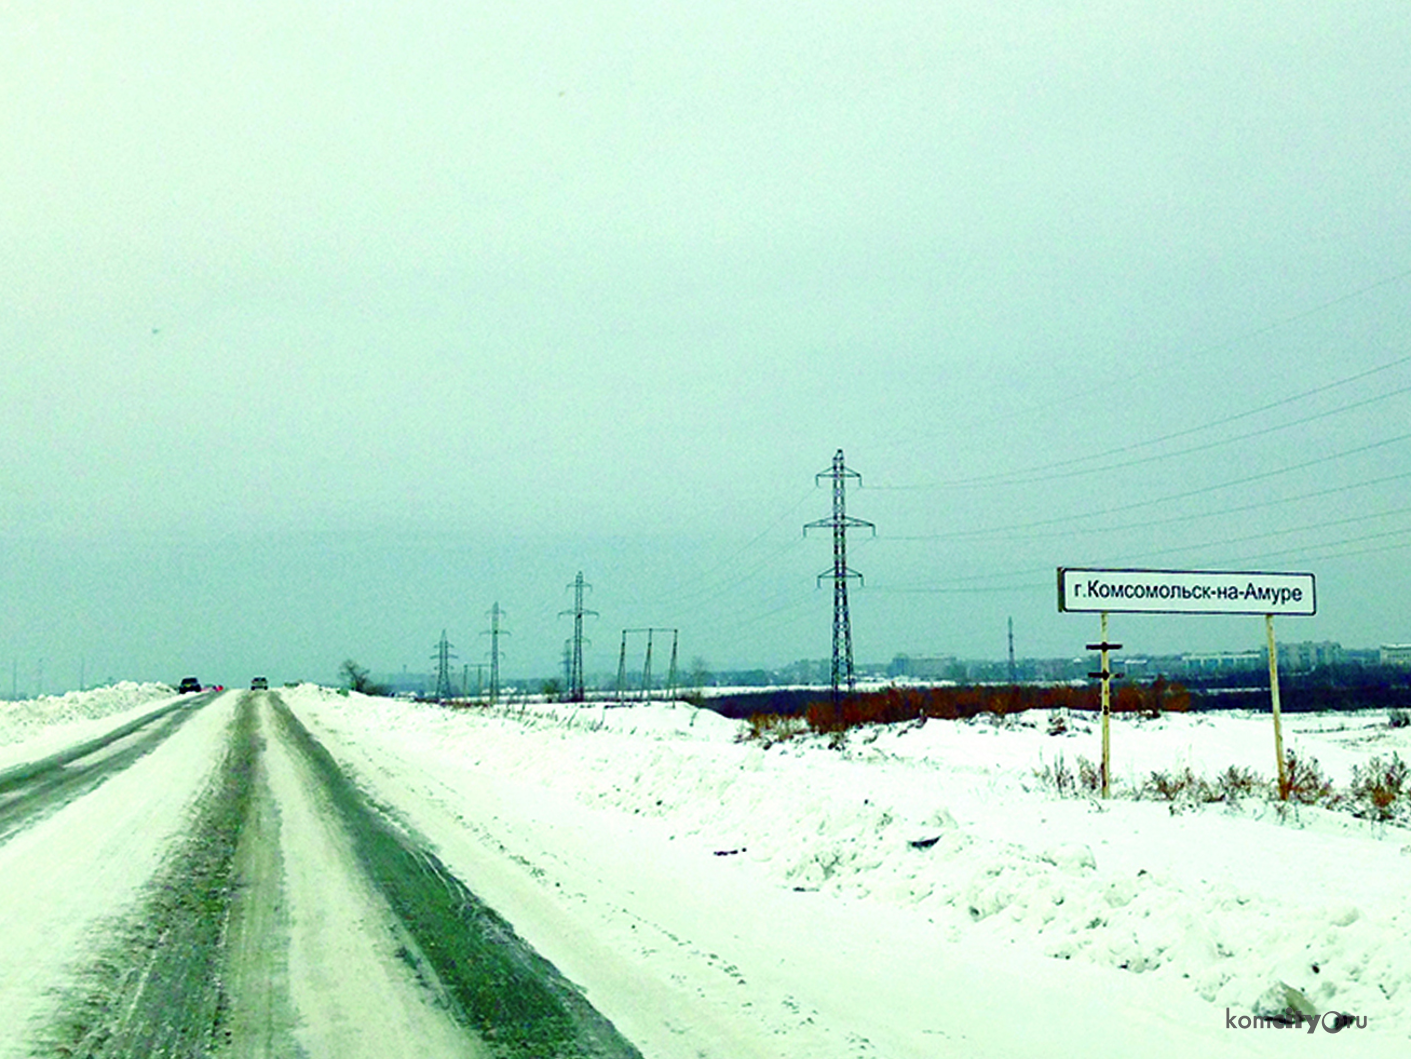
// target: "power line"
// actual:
[[1187, 494], [1212, 444], [1011, 532], [1027, 475], [1184, 359]]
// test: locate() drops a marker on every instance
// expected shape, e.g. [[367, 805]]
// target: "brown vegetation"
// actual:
[[895, 705]]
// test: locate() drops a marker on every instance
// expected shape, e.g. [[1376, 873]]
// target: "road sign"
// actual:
[[1089, 590]]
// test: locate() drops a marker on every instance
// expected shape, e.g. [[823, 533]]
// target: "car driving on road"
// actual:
[[189, 684]]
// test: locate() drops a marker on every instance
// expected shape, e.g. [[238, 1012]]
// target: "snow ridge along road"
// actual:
[[40, 788], [292, 917]]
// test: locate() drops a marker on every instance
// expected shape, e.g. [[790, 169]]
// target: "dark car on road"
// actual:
[[189, 684], [259, 684]]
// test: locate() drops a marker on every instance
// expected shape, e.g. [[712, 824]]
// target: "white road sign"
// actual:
[[1185, 591]]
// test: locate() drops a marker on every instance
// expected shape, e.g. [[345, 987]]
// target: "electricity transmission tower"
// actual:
[[647, 663], [575, 675], [840, 523], [443, 658], [495, 632]]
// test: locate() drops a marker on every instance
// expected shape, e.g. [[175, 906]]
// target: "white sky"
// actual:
[[386, 314]]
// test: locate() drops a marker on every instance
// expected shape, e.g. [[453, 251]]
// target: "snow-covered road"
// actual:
[[311, 873], [204, 880]]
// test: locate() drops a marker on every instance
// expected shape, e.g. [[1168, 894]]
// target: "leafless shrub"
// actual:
[[1380, 791], [1304, 782], [771, 728], [1089, 775], [1059, 777], [1234, 784]]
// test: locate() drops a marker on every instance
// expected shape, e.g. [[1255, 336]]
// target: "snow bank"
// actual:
[[32, 728]]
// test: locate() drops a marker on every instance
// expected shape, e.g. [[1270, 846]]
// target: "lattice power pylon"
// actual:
[[495, 632], [840, 523], [576, 692], [443, 658]]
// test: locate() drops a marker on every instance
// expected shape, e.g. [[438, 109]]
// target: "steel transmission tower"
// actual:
[[443, 658], [575, 667], [495, 632], [840, 523]]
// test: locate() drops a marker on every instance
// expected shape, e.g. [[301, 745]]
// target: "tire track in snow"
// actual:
[[156, 989], [513, 999]]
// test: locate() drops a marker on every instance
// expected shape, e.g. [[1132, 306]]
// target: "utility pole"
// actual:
[[480, 668], [1011, 653], [671, 671], [622, 668], [443, 658], [840, 523], [575, 678], [495, 632]]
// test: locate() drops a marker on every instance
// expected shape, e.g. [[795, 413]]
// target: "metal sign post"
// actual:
[[1106, 675]]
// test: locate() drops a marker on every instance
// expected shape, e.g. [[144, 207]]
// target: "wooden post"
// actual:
[[1106, 714], [1105, 674], [1274, 700]]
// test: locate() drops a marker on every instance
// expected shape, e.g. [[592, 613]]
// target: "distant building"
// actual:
[[1395, 654], [941, 667], [1301, 657], [404, 683], [1217, 663]]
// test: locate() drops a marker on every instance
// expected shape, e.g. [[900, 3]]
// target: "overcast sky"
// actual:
[[329, 326]]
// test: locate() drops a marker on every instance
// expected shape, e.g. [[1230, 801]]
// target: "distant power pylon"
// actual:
[[840, 523], [1013, 671], [575, 667], [479, 668], [495, 632], [646, 686], [443, 658]]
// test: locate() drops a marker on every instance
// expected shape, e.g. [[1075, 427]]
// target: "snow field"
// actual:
[[916, 892], [946, 821]]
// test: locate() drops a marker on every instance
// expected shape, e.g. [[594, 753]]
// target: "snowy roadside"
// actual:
[[33, 728], [72, 875], [1212, 908]]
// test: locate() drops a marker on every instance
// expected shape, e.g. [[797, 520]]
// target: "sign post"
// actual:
[[1084, 590], [1274, 699], [1106, 674]]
